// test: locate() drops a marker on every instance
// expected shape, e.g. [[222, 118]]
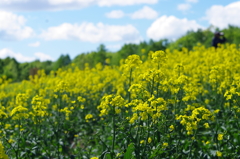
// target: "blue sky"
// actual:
[[45, 29]]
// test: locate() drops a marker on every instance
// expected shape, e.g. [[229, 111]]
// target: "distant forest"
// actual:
[[12, 69]]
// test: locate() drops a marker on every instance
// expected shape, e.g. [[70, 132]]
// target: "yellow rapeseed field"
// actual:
[[165, 104]]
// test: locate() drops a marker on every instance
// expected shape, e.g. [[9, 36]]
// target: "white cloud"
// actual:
[[102, 2], [58, 2], [222, 16], [33, 5], [125, 3], [171, 27], [115, 14], [18, 56], [114, 47], [21, 58], [12, 1], [92, 33], [13, 27], [70, 4], [43, 57], [184, 7], [192, 1], [36, 44], [145, 13]]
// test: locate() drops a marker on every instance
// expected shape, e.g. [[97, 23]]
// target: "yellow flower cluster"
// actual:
[[159, 56], [192, 86], [39, 106], [88, 117], [192, 122], [111, 103], [132, 61]]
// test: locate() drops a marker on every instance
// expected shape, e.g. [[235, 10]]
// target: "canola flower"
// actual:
[[219, 154], [19, 112], [185, 94], [142, 141], [171, 128], [111, 104], [39, 106], [220, 137], [159, 57], [191, 122], [88, 117], [149, 140], [132, 61], [165, 144]]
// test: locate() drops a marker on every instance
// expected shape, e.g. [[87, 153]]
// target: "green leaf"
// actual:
[[103, 154], [22, 154], [129, 151], [107, 156]]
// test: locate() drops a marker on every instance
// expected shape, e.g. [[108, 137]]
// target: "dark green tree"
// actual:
[[158, 45], [24, 70], [1, 67], [128, 49], [47, 66], [100, 55], [62, 61], [232, 33], [11, 68], [192, 38]]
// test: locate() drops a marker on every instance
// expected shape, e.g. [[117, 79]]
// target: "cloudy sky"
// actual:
[[45, 29]]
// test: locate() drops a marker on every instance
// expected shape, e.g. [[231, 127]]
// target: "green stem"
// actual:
[[114, 134], [11, 147], [19, 133], [190, 152], [130, 83], [137, 139], [148, 121], [159, 78], [177, 146], [57, 132], [152, 87]]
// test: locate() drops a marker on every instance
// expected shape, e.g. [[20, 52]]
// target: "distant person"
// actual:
[[218, 39]]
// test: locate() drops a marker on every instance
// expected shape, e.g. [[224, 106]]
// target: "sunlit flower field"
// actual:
[[164, 104]]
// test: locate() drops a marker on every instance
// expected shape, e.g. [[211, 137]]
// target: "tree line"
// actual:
[[11, 68]]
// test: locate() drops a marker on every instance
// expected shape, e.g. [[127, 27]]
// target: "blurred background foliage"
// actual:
[[16, 71]]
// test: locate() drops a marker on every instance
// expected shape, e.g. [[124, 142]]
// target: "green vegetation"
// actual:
[[173, 105], [16, 71]]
